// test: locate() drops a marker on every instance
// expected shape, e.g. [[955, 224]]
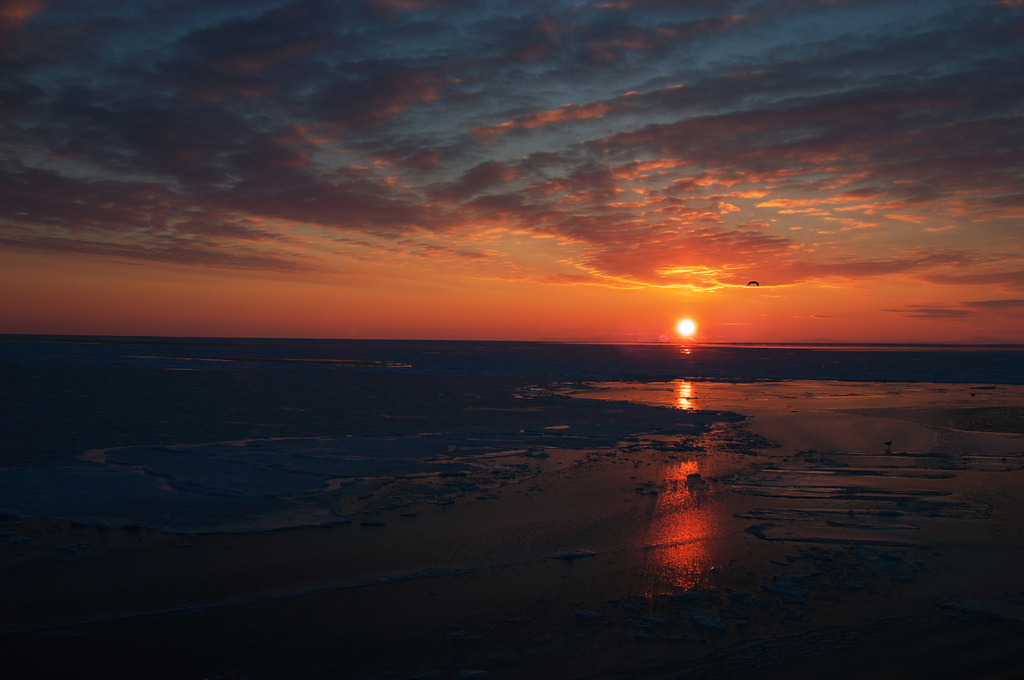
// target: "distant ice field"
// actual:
[[200, 434], [543, 360]]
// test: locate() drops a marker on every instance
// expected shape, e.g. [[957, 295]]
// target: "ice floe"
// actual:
[[572, 554], [473, 675], [585, 615], [707, 619], [789, 588]]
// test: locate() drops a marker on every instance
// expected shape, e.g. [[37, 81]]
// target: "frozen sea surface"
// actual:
[[246, 434], [542, 360]]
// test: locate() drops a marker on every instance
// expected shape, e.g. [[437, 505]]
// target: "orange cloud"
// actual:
[[14, 12], [566, 112]]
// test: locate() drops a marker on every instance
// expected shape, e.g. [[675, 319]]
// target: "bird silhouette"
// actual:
[[887, 443], [754, 283]]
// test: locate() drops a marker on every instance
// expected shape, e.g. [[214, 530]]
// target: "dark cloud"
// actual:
[[959, 310], [995, 304], [1013, 279], [477, 179], [926, 312], [176, 252], [659, 143], [374, 99], [434, 251], [13, 14]]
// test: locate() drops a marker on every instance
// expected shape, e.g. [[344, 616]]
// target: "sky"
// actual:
[[514, 169]]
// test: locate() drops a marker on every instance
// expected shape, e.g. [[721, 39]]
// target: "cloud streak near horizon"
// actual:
[[644, 143]]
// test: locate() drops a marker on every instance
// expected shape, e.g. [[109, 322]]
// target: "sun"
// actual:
[[686, 328]]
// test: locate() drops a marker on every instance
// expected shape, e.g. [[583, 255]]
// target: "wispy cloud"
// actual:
[[655, 143]]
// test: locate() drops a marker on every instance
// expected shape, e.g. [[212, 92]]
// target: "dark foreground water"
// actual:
[[356, 509]]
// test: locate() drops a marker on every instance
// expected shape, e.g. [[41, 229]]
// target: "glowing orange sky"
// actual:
[[585, 171]]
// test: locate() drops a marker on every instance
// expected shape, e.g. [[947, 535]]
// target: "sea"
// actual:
[[317, 508], [566, 361], [216, 434]]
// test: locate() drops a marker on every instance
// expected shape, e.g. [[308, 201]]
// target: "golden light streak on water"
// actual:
[[685, 395], [682, 525]]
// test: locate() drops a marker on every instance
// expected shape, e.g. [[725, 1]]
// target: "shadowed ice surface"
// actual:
[[261, 474], [535, 510]]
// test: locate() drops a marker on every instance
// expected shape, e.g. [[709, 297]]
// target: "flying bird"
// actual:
[[887, 443], [754, 283]]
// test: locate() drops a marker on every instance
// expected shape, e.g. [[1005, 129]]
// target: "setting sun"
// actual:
[[686, 328]]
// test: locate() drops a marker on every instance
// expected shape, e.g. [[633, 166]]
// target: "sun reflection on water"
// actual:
[[683, 522], [685, 398]]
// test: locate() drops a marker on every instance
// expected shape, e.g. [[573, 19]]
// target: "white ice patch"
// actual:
[[238, 486]]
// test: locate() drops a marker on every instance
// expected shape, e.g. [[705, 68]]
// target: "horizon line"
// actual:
[[168, 339]]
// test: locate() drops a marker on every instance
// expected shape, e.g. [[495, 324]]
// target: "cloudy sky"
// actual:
[[513, 169]]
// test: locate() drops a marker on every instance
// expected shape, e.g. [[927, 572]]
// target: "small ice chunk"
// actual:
[[686, 596], [90, 522], [584, 615], [9, 514], [373, 522], [72, 547], [572, 553], [742, 597], [706, 619], [467, 674], [688, 637], [1006, 609], [789, 588], [430, 675]]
